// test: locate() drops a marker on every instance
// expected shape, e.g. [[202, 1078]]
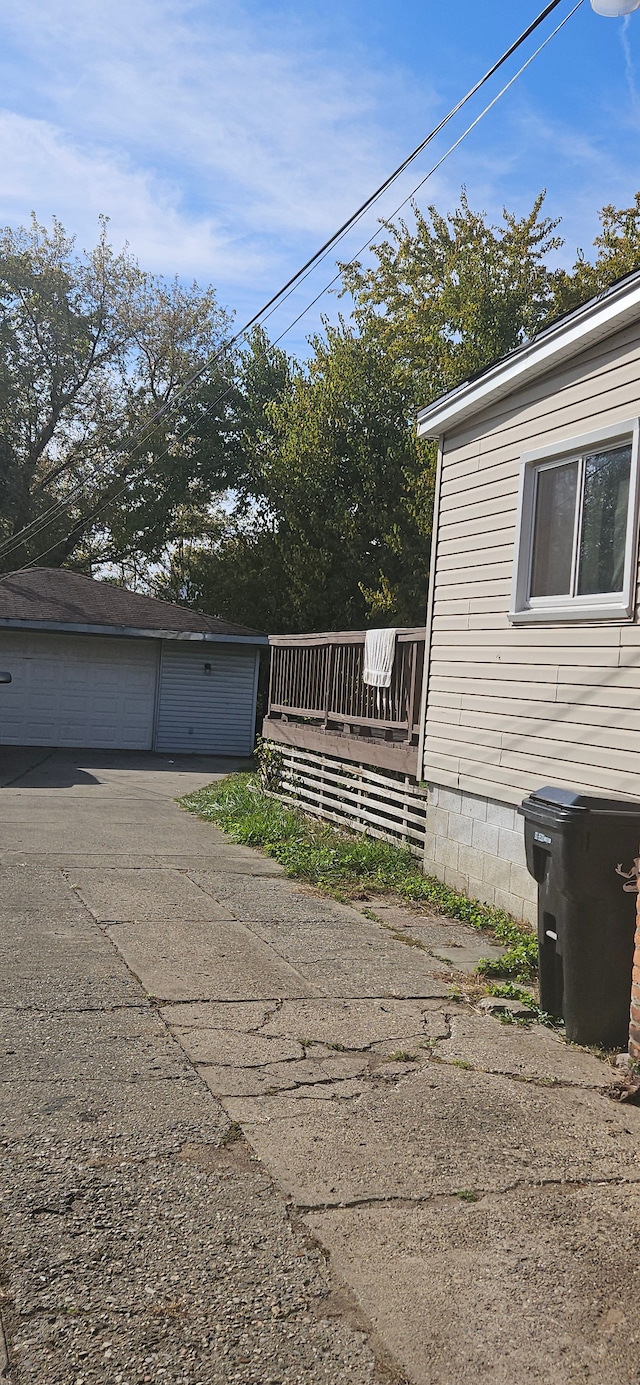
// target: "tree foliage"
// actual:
[[454, 293], [618, 254], [287, 495], [331, 516], [335, 527], [90, 349]]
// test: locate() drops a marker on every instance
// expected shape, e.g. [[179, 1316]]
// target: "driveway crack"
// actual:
[[462, 1194]]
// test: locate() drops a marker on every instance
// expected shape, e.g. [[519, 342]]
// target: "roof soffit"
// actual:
[[600, 319]]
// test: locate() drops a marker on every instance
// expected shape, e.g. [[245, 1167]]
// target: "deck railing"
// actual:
[[316, 683]]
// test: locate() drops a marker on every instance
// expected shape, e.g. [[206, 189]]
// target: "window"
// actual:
[[576, 542]]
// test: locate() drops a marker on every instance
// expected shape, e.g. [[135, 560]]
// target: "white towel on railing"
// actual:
[[379, 653]]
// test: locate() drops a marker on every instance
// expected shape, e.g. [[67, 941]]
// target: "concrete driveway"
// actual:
[[249, 1136]]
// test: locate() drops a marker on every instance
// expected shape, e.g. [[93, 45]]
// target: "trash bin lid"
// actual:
[[574, 801]]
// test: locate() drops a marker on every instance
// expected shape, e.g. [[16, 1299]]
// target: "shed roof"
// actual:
[[603, 315], [57, 599]]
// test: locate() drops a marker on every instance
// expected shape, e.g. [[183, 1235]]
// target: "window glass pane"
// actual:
[[553, 530], [604, 521]]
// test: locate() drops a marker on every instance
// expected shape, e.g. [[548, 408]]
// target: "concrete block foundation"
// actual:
[[476, 844]]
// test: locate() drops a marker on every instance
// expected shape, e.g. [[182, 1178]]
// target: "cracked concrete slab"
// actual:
[[351, 959], [247, 1016], [357, 1023], [435, 1129], [220, 960], [459, 947], [140, 1237], [533, 1284], [270, 901], [28, 895], [230, 1049], [139, 895], [126, 1044], [184, 1270], [104, 1118], [295, 1045], [325, 1075], [536, 1052], [403, 1184], [82, 971]]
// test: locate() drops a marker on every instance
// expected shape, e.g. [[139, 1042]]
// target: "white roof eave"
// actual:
[[128, 631], [598, 320]]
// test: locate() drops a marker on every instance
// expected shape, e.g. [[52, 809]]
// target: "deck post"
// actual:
[[328, 683]]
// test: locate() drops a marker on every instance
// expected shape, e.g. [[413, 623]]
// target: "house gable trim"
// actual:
[[599, 319]]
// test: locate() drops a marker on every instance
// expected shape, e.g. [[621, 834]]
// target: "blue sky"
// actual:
[[225, 141]]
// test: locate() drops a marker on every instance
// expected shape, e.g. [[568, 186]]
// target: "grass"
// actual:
[[347, 865]]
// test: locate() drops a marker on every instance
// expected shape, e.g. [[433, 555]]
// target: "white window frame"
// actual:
[[610, 605]]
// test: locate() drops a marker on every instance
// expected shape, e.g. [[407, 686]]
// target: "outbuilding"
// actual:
[[96, 665]]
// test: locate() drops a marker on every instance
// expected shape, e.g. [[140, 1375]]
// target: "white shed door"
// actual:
[[77, 690]]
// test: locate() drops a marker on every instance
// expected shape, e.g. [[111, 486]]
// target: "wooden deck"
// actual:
[[318, 701]]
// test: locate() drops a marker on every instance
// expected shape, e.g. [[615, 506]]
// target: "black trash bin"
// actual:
[[586, 921]]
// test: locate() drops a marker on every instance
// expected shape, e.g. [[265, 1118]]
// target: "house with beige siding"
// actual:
[[532, 654]]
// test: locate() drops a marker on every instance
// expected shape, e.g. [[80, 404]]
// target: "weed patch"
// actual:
[[346, 865], [508, 991]]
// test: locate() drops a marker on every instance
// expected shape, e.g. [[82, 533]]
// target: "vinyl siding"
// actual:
[[206, 713], [512, 707]]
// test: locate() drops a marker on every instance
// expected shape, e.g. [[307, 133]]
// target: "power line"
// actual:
[[43, 520], [145, 433], [410, 195], [338, 275]]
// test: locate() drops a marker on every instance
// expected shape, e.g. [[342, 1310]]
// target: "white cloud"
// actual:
[[203, 115], [226, 148], [220, 146], [43, 171]]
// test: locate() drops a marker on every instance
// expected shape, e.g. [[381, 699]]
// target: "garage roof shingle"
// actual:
[[55, 596]]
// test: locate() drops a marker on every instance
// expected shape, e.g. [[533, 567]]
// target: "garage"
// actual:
[[94, 665], [68, 691]]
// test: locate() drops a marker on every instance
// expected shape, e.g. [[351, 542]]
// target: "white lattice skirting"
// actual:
[[373, 801]]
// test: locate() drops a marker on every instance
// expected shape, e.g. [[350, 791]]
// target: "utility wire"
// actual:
[[410, 195], [145, 433], [219, 399], [42, 521]]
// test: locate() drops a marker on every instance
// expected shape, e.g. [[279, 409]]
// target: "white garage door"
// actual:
[[77, 690]]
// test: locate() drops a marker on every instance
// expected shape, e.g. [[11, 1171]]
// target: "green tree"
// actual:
[[288, 496], [90, 349], [454, 293], [618, 254], [332, 521], [330, 525]]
